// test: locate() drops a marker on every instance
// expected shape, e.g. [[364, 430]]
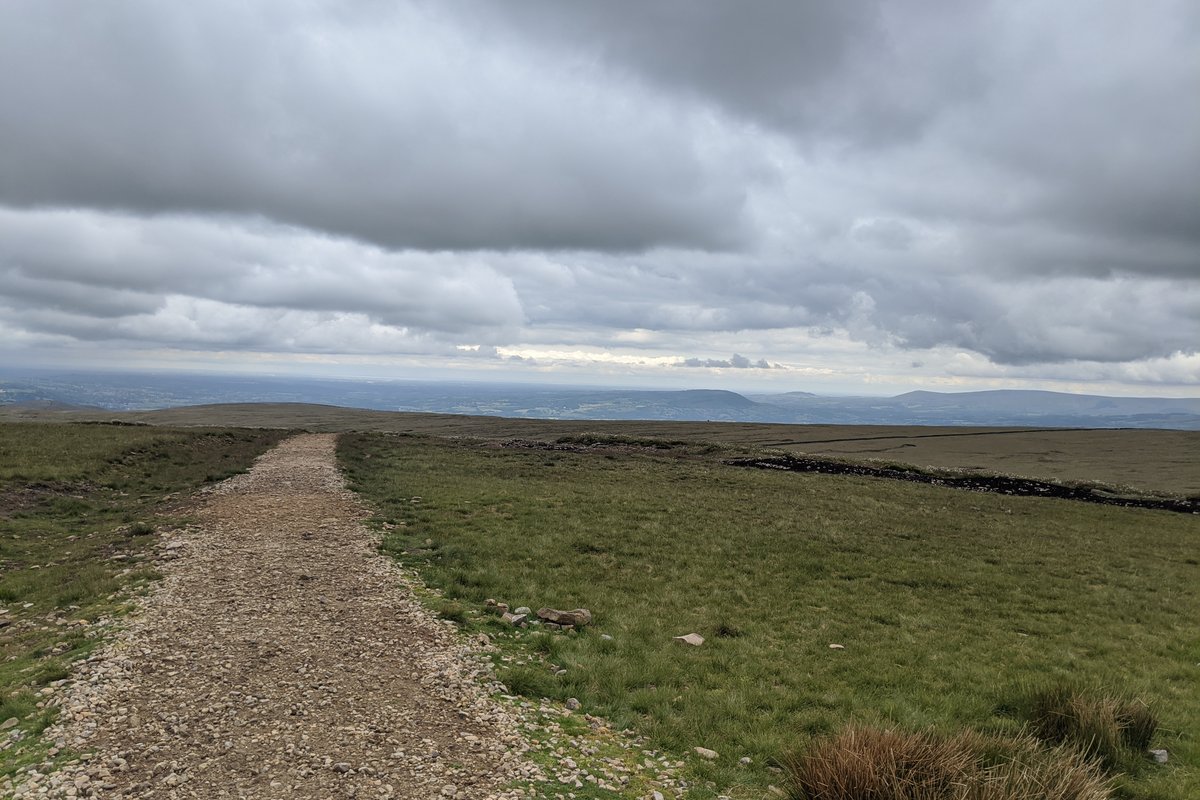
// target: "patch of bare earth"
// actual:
[[282, 657]]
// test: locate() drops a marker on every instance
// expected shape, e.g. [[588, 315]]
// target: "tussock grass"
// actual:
[[862, 763], [1112, 728], [76, 504], [867, 763]]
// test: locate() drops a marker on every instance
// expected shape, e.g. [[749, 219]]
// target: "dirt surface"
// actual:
[[282, 657]]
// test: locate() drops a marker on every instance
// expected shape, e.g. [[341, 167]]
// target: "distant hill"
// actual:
[[147, 391], [1038, 402], [997, 407]]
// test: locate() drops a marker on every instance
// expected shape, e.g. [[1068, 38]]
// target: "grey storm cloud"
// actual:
[[1012, 179], [855, 68], [1078, 116], [733, 362], [391, 126]]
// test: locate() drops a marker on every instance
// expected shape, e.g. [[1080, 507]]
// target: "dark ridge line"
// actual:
[[934, 435], [1023, 487]]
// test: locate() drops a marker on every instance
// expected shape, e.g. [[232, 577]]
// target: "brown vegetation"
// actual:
[[863, 763]]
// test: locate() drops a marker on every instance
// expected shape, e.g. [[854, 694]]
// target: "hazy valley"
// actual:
[[145, 391]]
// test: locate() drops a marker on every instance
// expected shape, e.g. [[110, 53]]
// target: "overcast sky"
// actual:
[[844, 197]]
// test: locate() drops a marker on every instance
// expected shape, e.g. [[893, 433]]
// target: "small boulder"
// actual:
[[577, 617], [694, 639], [523, 610], [704, 752], [573, 703], [11, 722], [1160, 756], [514, 619]]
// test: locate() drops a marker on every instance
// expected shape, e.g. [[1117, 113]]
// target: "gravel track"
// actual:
[[282, 657]]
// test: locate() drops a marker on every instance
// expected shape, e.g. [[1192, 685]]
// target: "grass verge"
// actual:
[[79, 507], [938, 597]]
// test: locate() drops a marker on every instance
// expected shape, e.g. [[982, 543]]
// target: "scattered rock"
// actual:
[[143, 717], [744, 761], [11, 722], [514, 619], [523, 610], [704, 752], [577, 616], [573, 703], [694, 639], [1160, 756]]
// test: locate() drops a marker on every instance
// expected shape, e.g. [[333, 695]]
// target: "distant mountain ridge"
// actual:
[[1003, 407], [1016, 399]]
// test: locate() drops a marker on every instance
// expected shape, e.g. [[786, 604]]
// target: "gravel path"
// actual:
[[281, 657]]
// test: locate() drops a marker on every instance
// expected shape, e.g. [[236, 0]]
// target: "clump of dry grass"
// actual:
[[877, 764], [1021, 768], [1114, 729], [863, 763]]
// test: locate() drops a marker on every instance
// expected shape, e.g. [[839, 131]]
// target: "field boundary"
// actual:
[[941, 435], [994, 484]]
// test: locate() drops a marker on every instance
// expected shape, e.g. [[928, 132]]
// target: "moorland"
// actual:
[[950, 608]]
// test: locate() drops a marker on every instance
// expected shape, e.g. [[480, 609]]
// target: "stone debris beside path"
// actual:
[[281, 657]]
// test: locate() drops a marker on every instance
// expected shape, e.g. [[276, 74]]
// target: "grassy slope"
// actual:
[[943, 599], [78, 505]]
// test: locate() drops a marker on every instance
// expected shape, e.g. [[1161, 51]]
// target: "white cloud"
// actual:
[[996, 191]]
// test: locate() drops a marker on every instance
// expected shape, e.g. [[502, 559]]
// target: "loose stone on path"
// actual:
[[282, 657]]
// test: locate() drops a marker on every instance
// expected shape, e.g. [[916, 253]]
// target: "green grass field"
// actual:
[[79, 505], [948, 603]]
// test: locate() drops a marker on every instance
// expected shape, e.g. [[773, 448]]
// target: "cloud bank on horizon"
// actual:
[[846, 193]]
